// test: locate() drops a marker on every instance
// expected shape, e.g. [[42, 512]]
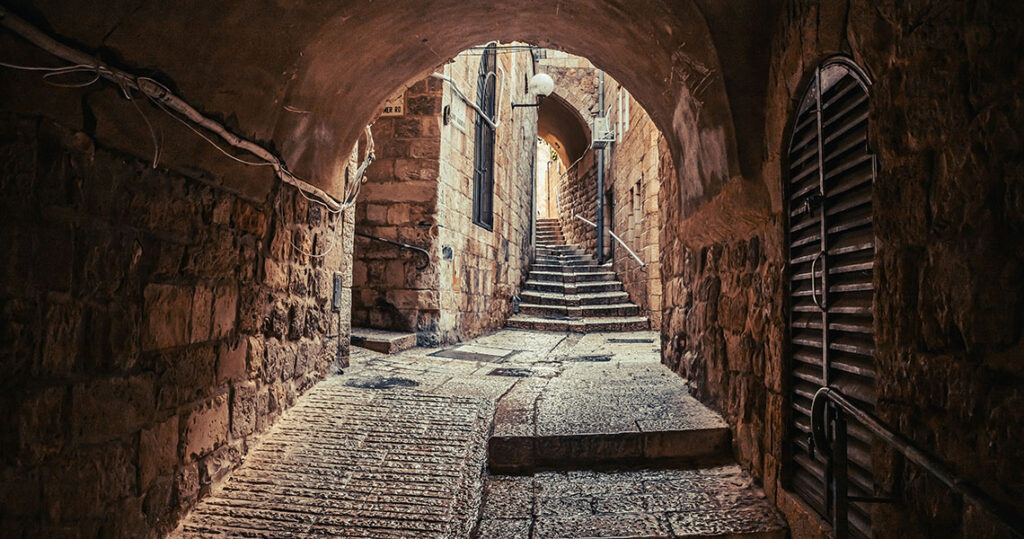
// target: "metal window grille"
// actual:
[[483, 147]]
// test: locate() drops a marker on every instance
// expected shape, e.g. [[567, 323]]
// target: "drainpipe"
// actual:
[[600, 176], [533, 180]]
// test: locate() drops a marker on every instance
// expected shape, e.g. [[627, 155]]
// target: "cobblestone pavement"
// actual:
[[709, 502], [395, 447], [348, 462]]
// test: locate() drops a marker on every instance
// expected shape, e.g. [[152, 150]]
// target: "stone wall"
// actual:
[[549, 169], [949, 302], [480, 269], [634, 178], [577, 195], [152, 325], [576, 81], [392, 289]]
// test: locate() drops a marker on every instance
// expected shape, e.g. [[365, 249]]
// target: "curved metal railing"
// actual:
[[618, 239], [836, 451]]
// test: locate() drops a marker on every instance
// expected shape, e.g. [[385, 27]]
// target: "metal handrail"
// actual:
[[905, 446], [618, 239], [426, 254]]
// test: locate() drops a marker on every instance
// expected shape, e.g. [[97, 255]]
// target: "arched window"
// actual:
[[483, 146], [831, 259]]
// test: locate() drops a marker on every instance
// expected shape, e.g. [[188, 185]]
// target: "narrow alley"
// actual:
[[404, 445], [512, 269]]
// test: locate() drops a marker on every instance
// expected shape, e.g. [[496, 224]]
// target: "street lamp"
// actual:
[[540, 85]]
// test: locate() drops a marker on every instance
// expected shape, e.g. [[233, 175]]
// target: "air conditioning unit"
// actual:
[[601, 132]]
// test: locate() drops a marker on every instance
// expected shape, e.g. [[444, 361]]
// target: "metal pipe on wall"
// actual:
[[600, 176]]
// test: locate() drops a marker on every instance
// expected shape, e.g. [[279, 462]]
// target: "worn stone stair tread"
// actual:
[[583, 325], [596, 307], [387, 342], [588, 295], [578, 284], [576, 274]]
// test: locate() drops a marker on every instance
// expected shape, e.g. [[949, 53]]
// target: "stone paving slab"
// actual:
[[348, 462], [721, 501], [610, 401], [395, 447]]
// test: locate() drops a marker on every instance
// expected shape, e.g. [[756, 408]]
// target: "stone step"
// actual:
[[568, 251], [519, 454], [573, 300], [573, 288], [588, 311], [719, 501], [583, 325], [385, 342], [584, 268], [574, 260], [610, 423], [560, 253], [571, 277]]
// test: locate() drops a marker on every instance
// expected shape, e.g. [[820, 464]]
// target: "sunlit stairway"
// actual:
[[567, 290]]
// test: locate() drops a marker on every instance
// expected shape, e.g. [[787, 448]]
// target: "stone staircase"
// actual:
[[567, 290]]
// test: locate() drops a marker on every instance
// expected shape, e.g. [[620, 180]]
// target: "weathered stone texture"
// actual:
[[419, 192], [948, 221], [399, 203], [130, 304], [634, 181], [577, 192], [486, 267]]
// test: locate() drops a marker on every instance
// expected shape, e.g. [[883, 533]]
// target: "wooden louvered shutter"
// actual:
[[831, 255]]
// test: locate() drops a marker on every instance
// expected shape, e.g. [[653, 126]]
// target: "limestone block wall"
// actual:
[[577, 195], [634, 175], [576, 81], [949, 218], [480, 269], [152, 325], [399, 203]]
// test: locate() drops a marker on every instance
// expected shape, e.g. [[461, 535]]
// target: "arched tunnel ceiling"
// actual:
[[336, 62], [561, 126]]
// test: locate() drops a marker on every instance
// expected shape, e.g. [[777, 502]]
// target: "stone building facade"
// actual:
[[394, 288], [167, 321], [420, 192], [947, 272], [485, 267], [633, 178]]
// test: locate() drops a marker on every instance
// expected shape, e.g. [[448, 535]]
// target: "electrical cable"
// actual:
[[162, 97], [152, 133], [153, 90]]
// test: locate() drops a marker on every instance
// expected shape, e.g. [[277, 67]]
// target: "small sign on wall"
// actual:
[[395, 105], [458, 113]]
